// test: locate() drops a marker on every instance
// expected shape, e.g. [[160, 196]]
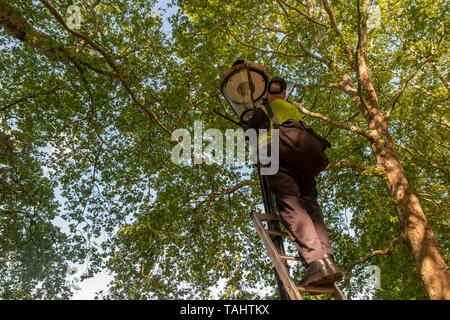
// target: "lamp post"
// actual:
[[243, 85]]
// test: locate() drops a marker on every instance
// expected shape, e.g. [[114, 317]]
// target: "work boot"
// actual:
[[321, 273]]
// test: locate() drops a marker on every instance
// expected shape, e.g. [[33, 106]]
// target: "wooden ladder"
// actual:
[[279, 259]]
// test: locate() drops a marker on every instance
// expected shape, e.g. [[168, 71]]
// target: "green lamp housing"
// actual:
[[243, 85]]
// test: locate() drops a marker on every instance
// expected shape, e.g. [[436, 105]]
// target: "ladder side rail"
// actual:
[[279, 264], [269, 207], [337, 293]]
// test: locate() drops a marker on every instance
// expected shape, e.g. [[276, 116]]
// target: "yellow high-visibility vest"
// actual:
[[284, 111]]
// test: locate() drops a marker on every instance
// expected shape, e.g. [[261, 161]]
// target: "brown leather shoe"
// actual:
[[321, 273]]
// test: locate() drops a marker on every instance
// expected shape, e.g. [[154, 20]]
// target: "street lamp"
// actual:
[[243, 85]]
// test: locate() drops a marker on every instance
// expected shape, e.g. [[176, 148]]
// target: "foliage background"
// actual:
[[91, 150]]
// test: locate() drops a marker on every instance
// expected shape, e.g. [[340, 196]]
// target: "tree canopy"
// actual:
[[86, 131]]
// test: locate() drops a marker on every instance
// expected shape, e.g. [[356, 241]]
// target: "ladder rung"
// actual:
[[284, 257], [316, 289], [277, 233], [281, 267], [269, 217]]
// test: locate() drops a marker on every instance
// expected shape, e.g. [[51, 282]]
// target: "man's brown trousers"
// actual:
[[300, 213]]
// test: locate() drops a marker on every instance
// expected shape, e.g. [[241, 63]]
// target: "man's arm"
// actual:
[[259, 120]]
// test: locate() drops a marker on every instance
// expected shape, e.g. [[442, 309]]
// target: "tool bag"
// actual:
[[300, 147]]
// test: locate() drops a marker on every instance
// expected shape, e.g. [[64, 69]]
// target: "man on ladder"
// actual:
[[296, 194]]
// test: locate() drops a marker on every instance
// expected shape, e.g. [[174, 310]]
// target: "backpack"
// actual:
[[300, 147]]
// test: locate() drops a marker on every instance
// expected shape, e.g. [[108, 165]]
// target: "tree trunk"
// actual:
[[416, 231]]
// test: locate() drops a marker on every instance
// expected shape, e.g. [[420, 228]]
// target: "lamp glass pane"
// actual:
[[236, 89], [259, 83]]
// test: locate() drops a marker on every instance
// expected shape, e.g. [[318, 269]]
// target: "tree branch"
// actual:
[[122, 77], [303, 14], [263, 50], [23, 31], [308, 53], [389, 250], [341, 125], [441, 76], [405, 85], [228, 190], [343, 163], [327, 189], [96, 29], [47, 92], [416, 71], [334, 26]]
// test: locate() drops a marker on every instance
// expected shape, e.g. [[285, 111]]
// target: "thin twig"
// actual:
[[389, 250], [342, 125]]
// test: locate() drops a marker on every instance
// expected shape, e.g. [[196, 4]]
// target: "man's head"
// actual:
[[276, 89]]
